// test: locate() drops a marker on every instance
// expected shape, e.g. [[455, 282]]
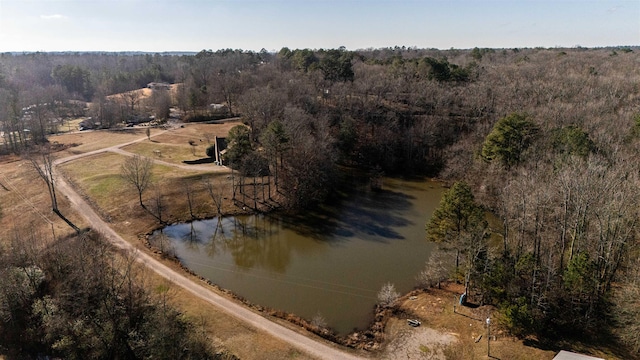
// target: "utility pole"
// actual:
[[488, 337]]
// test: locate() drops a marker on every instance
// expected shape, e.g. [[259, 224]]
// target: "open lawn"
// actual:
[[25, 205], [69, 125], [200, 133], [175, 146], [99, 177], [172, 153], [81, 142]]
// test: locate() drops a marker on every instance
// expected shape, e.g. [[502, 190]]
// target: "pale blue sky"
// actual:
[[193, 25]]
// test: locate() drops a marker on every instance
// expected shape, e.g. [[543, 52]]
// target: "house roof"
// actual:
[[567, 355]]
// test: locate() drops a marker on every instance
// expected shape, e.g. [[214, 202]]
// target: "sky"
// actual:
[[194, 25]]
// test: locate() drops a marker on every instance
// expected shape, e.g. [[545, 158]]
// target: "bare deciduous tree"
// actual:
[[627, 310], [436, 269], [161, 242], [193, 145], [158, 204], [45, 171], [319, 321], [161, 104], [188, 190], [216, 190], [388, 295], [137, 171], [131, 99]]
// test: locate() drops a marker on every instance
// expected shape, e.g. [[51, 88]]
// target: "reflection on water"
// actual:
[[247, 239], [332, 260]]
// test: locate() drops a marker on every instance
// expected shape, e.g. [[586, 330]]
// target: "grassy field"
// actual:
[[25, 205], [69, 125], [172, 153], [199, 133], [98, 177], [81, 142]]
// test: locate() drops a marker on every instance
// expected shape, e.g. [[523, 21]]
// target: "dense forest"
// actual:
[[77, 299], [540, 146]]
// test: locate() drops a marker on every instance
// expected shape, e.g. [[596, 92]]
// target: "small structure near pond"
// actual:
[[567, 355]]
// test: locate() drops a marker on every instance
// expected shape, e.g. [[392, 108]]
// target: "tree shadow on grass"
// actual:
[[206, 160], [542, 345], [582, 344]]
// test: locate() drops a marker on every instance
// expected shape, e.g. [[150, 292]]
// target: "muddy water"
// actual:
[[331, 261]]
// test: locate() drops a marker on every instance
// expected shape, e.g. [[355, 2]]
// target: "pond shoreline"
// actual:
[[370, 338], [373, 224]]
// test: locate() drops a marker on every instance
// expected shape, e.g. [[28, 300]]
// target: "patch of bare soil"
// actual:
[[416, 343], [448, 331], [140, 94]]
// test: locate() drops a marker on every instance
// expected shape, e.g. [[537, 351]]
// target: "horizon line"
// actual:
[[274, 51]]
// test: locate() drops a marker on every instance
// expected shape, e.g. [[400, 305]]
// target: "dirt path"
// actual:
[[309, 346]]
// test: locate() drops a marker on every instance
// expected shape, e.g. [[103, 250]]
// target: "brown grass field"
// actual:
[[81, 142], [172, 153], [25, 207], [25, 204]]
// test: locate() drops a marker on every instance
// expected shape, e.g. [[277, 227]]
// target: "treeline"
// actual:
[[337, 107], [40, 91], [78, 299], [82, 74], [393, 110], [557, 172]]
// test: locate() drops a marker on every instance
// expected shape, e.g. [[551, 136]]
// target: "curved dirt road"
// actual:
[[314, 348]]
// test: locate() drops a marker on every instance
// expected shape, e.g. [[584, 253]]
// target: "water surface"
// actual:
[[331, 261]]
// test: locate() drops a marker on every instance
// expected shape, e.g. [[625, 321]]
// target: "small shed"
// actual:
[[568, 355]]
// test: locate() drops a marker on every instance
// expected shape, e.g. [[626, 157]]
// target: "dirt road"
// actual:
[[314, 348]]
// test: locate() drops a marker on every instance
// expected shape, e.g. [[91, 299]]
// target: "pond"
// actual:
[[330, 262]]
